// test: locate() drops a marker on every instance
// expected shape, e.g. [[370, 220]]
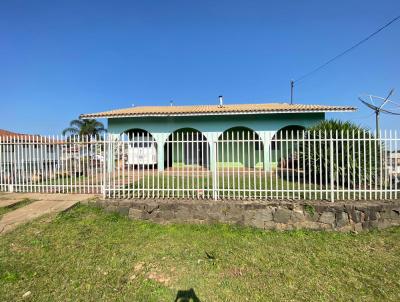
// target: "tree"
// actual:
[[81, 127]]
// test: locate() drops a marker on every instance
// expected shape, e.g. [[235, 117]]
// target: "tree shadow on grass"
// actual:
[[186, 296]]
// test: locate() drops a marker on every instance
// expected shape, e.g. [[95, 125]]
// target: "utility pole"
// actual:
[[291, 91]]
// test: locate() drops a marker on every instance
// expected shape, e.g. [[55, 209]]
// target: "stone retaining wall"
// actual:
[[282, 215]]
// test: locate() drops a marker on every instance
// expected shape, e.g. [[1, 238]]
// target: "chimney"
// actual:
[[221, 100]]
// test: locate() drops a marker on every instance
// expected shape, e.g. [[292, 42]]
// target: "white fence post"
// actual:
[[331, 158], [104, 178], [214, 171]]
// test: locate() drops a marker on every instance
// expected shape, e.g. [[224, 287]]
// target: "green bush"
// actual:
[[357, 157]]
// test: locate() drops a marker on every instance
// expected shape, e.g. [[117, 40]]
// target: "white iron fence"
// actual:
[[301, 165], [51, 164]]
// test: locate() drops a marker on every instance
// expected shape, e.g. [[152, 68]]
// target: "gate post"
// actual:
[[214, 167], [331, 167], [111, 143], [105, 166]]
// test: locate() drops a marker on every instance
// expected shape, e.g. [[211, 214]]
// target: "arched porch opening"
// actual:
[[284, 146], [240, 147], [186, 147]]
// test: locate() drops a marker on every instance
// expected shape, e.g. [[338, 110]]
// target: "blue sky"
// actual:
[[62, 58]]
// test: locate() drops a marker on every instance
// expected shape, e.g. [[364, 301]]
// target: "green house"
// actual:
[[221, 135]]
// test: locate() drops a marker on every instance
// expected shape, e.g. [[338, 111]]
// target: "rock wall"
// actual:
[[283, 215]]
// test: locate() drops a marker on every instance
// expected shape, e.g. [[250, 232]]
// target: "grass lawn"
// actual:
[[86, 254], [248, 186]]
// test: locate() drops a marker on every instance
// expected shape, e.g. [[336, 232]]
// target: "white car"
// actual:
[[142, 153]]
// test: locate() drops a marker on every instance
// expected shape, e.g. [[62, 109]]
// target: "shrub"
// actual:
[[356, 154]]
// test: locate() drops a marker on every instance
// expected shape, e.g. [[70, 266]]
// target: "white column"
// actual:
[[266, 138], [160, 138]]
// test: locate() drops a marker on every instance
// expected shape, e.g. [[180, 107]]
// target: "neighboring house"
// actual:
[[214, 125], [77, 158], [24, 152]]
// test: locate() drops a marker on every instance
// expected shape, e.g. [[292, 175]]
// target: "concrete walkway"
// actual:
[[9, 199], [44, 204], [8, 202]]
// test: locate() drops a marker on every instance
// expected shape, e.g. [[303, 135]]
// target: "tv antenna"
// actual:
[[376, 103]]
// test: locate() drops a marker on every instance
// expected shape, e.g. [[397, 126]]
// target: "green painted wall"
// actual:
[[265, 125], [213, 124], [243, 155]]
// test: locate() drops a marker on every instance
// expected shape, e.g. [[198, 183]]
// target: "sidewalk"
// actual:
[[43, 204]]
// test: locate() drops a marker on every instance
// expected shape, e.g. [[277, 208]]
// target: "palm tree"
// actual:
[[82, 127]]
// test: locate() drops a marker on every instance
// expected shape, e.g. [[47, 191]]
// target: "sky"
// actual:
[[59, 59]]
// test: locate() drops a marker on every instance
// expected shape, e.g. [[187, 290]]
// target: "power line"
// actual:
[[347, 50], [362, 117]]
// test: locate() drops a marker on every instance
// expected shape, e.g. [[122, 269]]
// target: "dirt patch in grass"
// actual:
[[88, 255], [159, 277]]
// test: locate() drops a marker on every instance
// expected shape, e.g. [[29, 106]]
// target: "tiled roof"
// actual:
[[6, 135], [216, 109]]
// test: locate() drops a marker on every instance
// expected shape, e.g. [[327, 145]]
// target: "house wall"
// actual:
[[265, 125]]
